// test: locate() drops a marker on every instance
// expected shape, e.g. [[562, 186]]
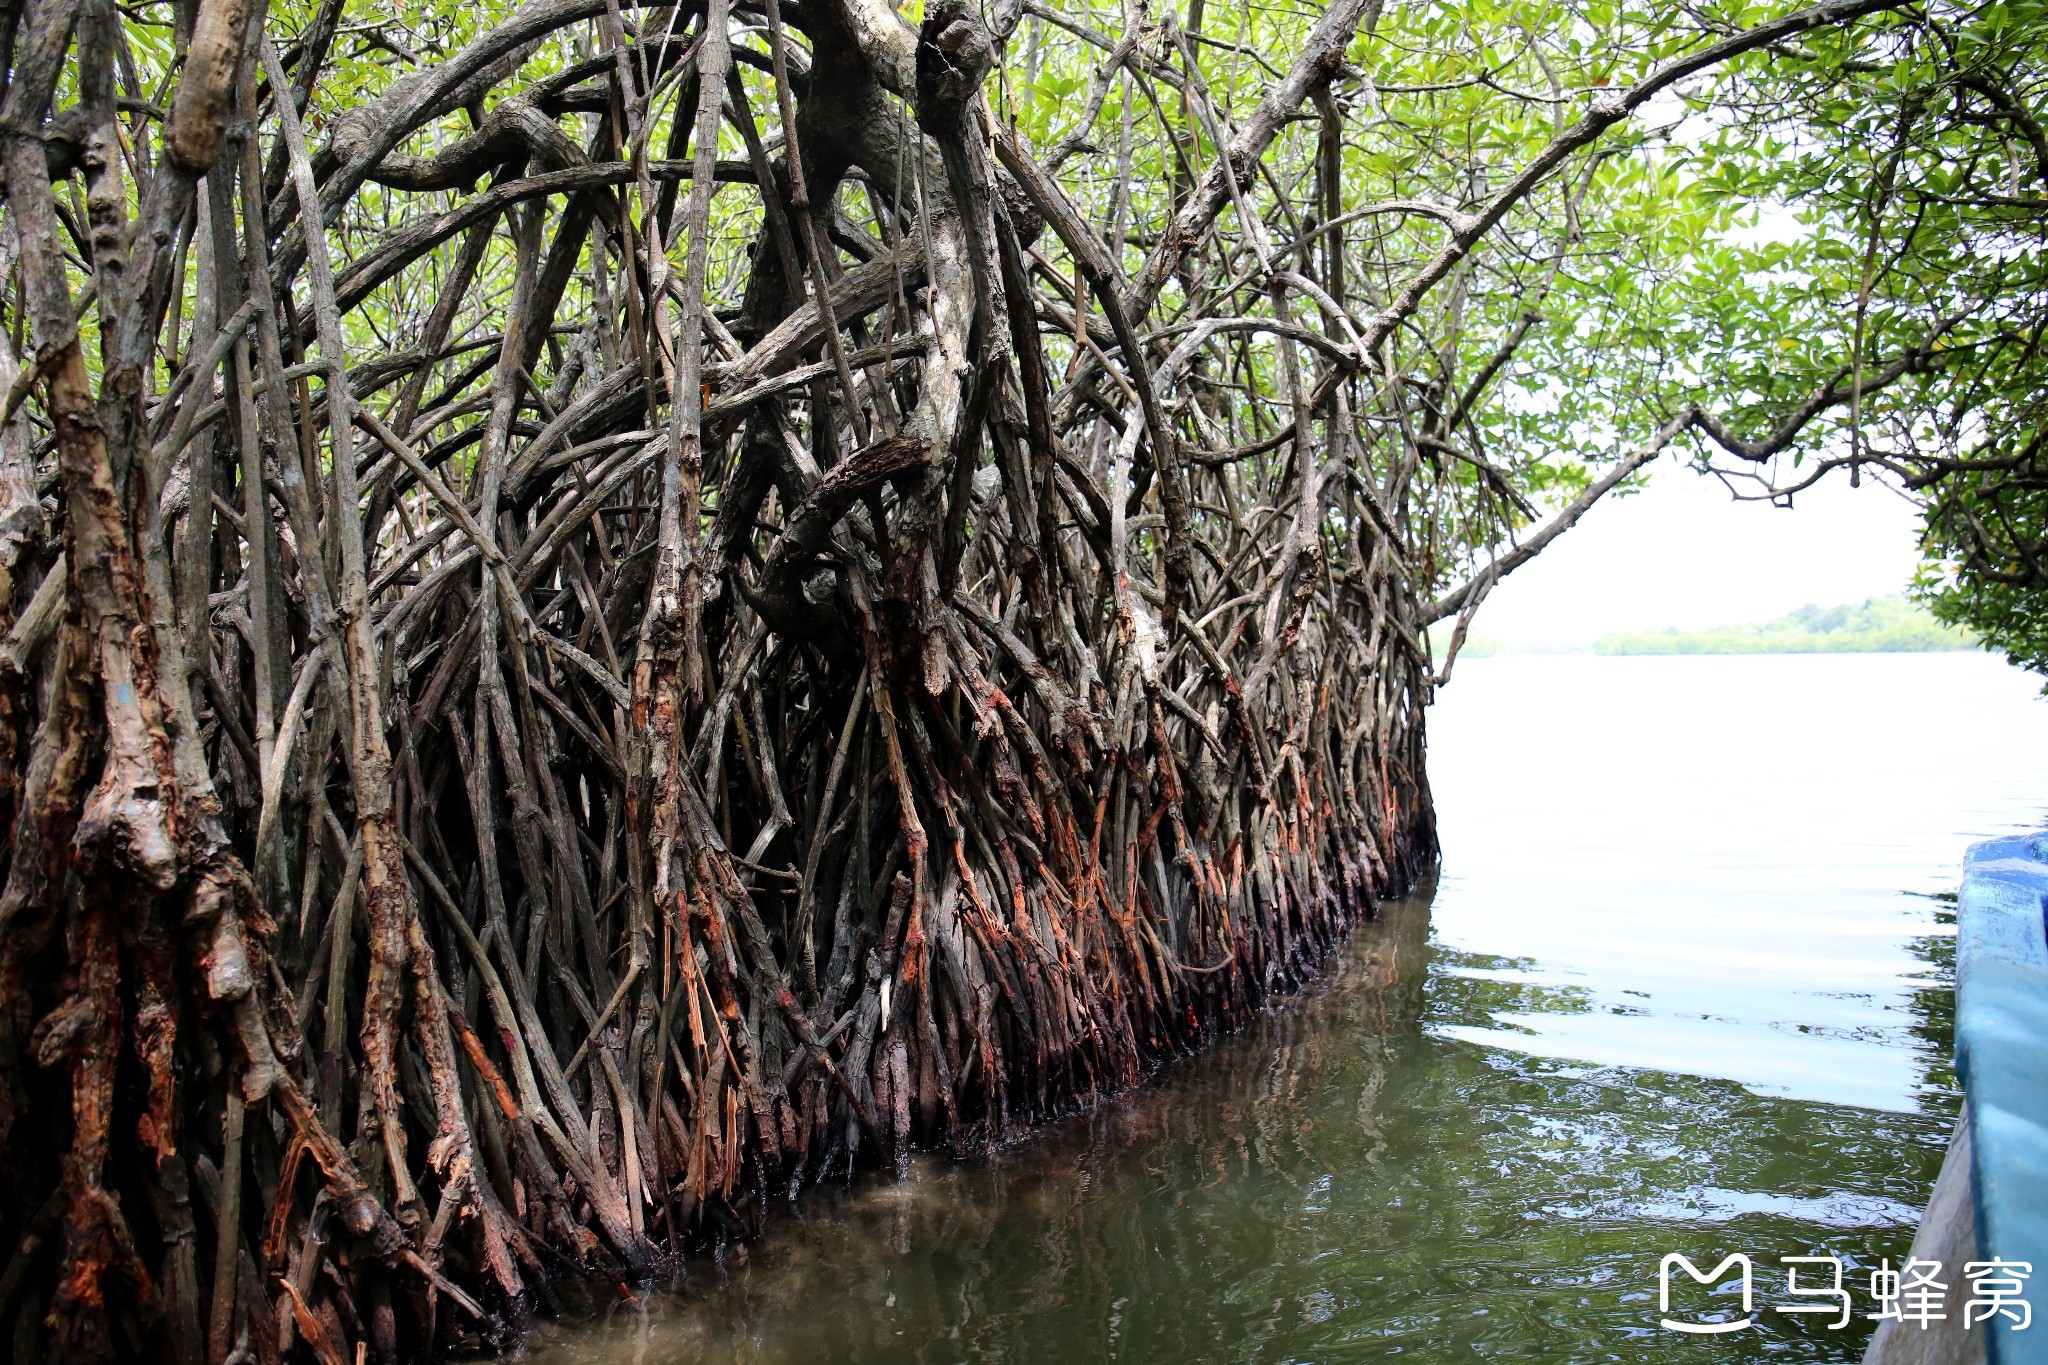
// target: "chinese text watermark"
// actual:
[[1916, 1294]]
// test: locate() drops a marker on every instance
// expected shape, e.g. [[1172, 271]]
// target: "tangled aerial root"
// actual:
[[503, 805]]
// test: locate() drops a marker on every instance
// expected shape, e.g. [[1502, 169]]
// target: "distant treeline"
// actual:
[[1882, 625]]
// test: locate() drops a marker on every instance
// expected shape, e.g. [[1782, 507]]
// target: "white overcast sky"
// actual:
[[1681, 552]]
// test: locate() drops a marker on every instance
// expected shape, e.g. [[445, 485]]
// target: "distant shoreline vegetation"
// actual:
[[1881, 625]]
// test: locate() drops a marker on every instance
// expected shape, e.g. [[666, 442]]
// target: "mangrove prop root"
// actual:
[[561, 678]]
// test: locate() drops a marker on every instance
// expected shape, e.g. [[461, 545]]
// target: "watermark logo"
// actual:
[[1713, 1276], [1914, 1294]]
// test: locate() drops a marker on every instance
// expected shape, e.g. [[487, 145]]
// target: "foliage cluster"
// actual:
[[1896, 272]]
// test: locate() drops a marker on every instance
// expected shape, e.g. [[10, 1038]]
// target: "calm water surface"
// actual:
[[1683, 985]]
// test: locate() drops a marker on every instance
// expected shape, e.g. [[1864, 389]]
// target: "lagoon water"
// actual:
[[1684, 984]]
